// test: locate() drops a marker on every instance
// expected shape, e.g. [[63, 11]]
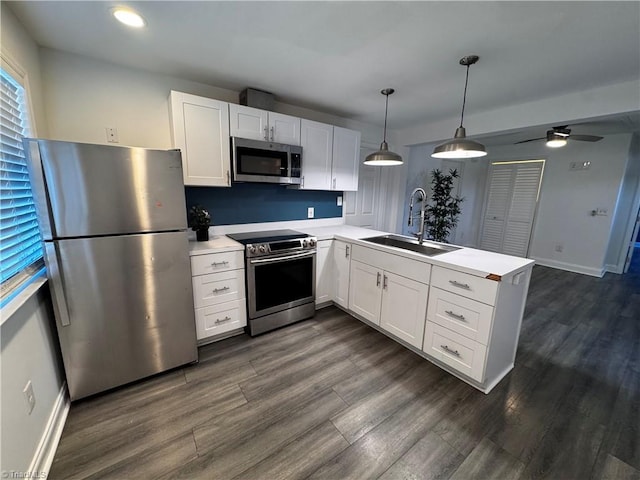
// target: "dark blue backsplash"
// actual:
[[262, 202]]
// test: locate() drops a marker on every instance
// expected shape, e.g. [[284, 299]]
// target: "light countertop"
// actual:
[[216, 244], [468, 260]]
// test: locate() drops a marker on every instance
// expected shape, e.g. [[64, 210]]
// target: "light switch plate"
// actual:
[[339, 201], [310, 212]]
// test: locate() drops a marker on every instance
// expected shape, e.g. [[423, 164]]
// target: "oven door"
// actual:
[[280, 282]]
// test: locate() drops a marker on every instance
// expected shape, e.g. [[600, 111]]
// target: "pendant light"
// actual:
[[460, 146], [384, 157]]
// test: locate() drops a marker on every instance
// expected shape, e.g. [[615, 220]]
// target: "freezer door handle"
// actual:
[[56, 283]]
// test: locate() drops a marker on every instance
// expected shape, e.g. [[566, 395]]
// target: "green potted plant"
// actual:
[[443, 209], [199, 221]]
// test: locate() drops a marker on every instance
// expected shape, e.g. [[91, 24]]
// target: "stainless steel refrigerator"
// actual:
[[113, 221]]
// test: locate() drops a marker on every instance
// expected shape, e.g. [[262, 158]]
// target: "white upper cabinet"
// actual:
[[329, 157], [317, 155], [346, 152], [200, 129], [256, 124]]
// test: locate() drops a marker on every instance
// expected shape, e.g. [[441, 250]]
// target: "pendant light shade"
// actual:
[[460, 146], [384, 157]]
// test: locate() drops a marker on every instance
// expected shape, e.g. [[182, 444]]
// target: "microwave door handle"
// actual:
[[282, 259]]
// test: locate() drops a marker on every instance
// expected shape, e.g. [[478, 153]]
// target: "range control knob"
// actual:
[[251, 248], [263, 249], [312, 242], [305, 242]]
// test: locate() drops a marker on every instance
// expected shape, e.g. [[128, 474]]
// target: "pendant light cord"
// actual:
[[386, 107], [464, 97]]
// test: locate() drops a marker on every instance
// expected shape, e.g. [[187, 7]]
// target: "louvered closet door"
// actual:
[[511, 206]]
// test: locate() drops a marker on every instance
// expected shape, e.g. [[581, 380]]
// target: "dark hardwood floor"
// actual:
[[331, 398]]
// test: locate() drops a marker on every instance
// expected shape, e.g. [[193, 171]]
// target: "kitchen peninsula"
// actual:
[[461, 310]]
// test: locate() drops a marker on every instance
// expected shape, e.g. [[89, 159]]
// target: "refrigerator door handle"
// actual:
[[57, 289]]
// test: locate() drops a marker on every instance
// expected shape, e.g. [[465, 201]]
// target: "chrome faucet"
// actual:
[[423, 198]]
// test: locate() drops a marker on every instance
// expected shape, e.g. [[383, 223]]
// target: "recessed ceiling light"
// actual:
[[128, 17]]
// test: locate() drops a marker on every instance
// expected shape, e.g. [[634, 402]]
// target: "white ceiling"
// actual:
[[335, 57]]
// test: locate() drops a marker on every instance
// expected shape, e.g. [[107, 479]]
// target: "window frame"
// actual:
[[36, 270]]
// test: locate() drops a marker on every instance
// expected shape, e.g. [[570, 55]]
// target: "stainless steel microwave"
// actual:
[[265, 162]]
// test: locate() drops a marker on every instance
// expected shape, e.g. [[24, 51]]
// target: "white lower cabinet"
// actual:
[[341, 266], [394, 302], [404, 304], [365, 293], [324, 272], [219, 297]]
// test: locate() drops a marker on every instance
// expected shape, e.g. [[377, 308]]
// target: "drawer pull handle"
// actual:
[[460, 285], [225, 319], [215, 264], [216, 290], [447, 349], [378, 280], [454, 315]]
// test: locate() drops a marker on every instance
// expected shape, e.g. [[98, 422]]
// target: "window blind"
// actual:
[[20, 245]]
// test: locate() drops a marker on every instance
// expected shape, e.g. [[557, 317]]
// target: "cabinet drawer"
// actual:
[[460, 314], [217, 262], [405, 267], [469, 286], [218, 288], [220, 318], [451, 348]]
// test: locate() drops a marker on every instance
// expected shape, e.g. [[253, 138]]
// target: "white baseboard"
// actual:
[[570, 267], [609, 267], [43, 457]]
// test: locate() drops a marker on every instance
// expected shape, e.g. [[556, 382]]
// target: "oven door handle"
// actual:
[[280, 259]]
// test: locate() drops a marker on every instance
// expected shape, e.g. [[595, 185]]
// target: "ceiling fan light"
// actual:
[[459, 147], [556, 141], [383, 157]]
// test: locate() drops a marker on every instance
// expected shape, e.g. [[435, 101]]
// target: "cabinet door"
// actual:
[[248, 122], [341, 265], [324, 272], [346, 151], [404, 308], [200, 128], [317, 151], [284, 128], [365, 291]]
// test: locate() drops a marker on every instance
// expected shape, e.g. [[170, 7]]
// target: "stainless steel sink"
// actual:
[[427, 248]]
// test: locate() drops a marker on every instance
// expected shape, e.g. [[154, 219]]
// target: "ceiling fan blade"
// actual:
[[586, 138], [531, 140]]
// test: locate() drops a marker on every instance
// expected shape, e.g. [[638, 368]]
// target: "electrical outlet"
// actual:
[[339, 201], [310, 212], [602, 212], [559, 247], [29, 397], [112, 134]]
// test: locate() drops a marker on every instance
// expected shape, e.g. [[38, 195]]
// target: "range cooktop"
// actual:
[[269, 236]]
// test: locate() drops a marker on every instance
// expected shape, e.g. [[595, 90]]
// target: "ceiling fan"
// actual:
[[557, 137]]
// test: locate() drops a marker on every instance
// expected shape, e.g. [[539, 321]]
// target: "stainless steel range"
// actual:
[[281, 271]]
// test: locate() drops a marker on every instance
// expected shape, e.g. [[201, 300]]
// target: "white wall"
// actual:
[[567, 198], [421, 164], [83, 96], [29, 351], [28, 345], [625, 212], [559, 110]]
